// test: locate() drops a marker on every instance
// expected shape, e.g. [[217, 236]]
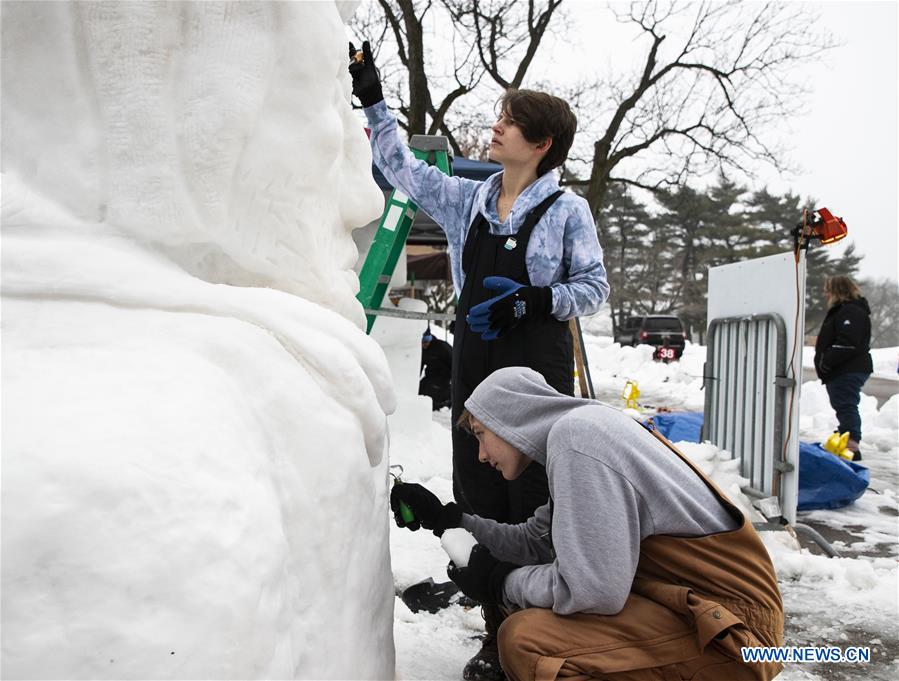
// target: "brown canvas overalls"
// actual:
[[694, 603]]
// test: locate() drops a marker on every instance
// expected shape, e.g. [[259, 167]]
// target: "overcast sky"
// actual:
[[845, 144]]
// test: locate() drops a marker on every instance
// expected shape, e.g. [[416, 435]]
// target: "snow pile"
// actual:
[[886, 361], [869, 583], [817, 419], [676, 385], [193, 454], [723, 471], [435, 646]]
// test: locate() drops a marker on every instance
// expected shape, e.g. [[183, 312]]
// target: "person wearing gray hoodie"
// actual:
[[635, 546]]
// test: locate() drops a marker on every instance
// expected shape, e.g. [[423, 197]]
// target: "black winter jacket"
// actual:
[[437, 360], [842, 345]]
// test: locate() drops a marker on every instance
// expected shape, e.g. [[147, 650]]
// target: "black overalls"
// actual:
[[544, 345]]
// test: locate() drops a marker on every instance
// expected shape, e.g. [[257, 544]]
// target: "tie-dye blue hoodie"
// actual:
[[563, 251]]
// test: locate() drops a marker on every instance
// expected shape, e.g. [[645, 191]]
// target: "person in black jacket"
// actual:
[[437, 364], [842, 357]]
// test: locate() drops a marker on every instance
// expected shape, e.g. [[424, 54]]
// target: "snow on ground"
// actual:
[[676, 385], [886, 362], [851, 600]]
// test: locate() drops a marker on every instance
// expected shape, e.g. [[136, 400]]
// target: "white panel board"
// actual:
[[769, 285]]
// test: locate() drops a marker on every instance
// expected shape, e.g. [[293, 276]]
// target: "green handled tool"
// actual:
[[405, 511]]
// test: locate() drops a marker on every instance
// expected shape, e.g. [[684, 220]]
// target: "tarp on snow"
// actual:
[[825, 480], [680, 426]]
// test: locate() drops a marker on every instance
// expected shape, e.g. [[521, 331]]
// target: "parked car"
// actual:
[[663, 331]]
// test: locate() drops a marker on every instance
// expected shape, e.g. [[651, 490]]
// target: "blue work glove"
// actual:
[[496, 316], [484, 577]]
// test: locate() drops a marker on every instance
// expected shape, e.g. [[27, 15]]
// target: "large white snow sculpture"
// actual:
[[194, 480]]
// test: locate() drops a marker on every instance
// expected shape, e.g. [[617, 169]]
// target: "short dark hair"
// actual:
[[540, 115]]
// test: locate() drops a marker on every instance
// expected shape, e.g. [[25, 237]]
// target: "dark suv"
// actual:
[[664, 331]]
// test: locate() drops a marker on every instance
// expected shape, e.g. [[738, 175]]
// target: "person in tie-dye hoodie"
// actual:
[[525, 259]]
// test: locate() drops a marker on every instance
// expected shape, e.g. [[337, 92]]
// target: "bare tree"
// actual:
[[714, 77], [505, 35], [883, 297], [440, 297], [481, 38], [408, 81]]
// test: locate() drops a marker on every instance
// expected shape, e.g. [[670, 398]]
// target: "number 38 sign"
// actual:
[[666, 354]]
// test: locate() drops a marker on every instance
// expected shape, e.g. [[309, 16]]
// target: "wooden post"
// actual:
[[579, 357]]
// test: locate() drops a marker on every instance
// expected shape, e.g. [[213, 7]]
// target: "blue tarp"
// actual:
[[462, 167], [680, 426], [825, 480]]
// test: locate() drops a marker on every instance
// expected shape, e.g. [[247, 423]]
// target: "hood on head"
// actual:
[[519, 406], [861, 302]]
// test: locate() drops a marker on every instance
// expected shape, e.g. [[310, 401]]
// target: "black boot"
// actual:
[[485, 665]]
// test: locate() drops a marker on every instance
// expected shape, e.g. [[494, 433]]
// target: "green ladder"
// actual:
[[399, 212]]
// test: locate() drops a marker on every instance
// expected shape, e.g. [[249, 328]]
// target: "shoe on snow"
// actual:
[[485, 665]]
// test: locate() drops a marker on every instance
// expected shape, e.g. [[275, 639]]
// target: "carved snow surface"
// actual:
[[194, 421]]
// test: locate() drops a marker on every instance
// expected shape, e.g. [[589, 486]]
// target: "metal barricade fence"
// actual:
[[745, 397]]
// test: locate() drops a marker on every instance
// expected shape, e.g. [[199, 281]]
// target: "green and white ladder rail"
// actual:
[[393, 230]]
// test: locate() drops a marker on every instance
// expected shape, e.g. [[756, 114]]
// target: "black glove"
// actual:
[[428, 511], [484, 577], [509, 311], [515, 302], [366, 81]]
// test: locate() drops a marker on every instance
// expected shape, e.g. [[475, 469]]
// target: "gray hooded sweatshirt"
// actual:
[[611, 485]]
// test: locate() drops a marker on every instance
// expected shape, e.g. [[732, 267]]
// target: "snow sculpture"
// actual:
[[194, 480]]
